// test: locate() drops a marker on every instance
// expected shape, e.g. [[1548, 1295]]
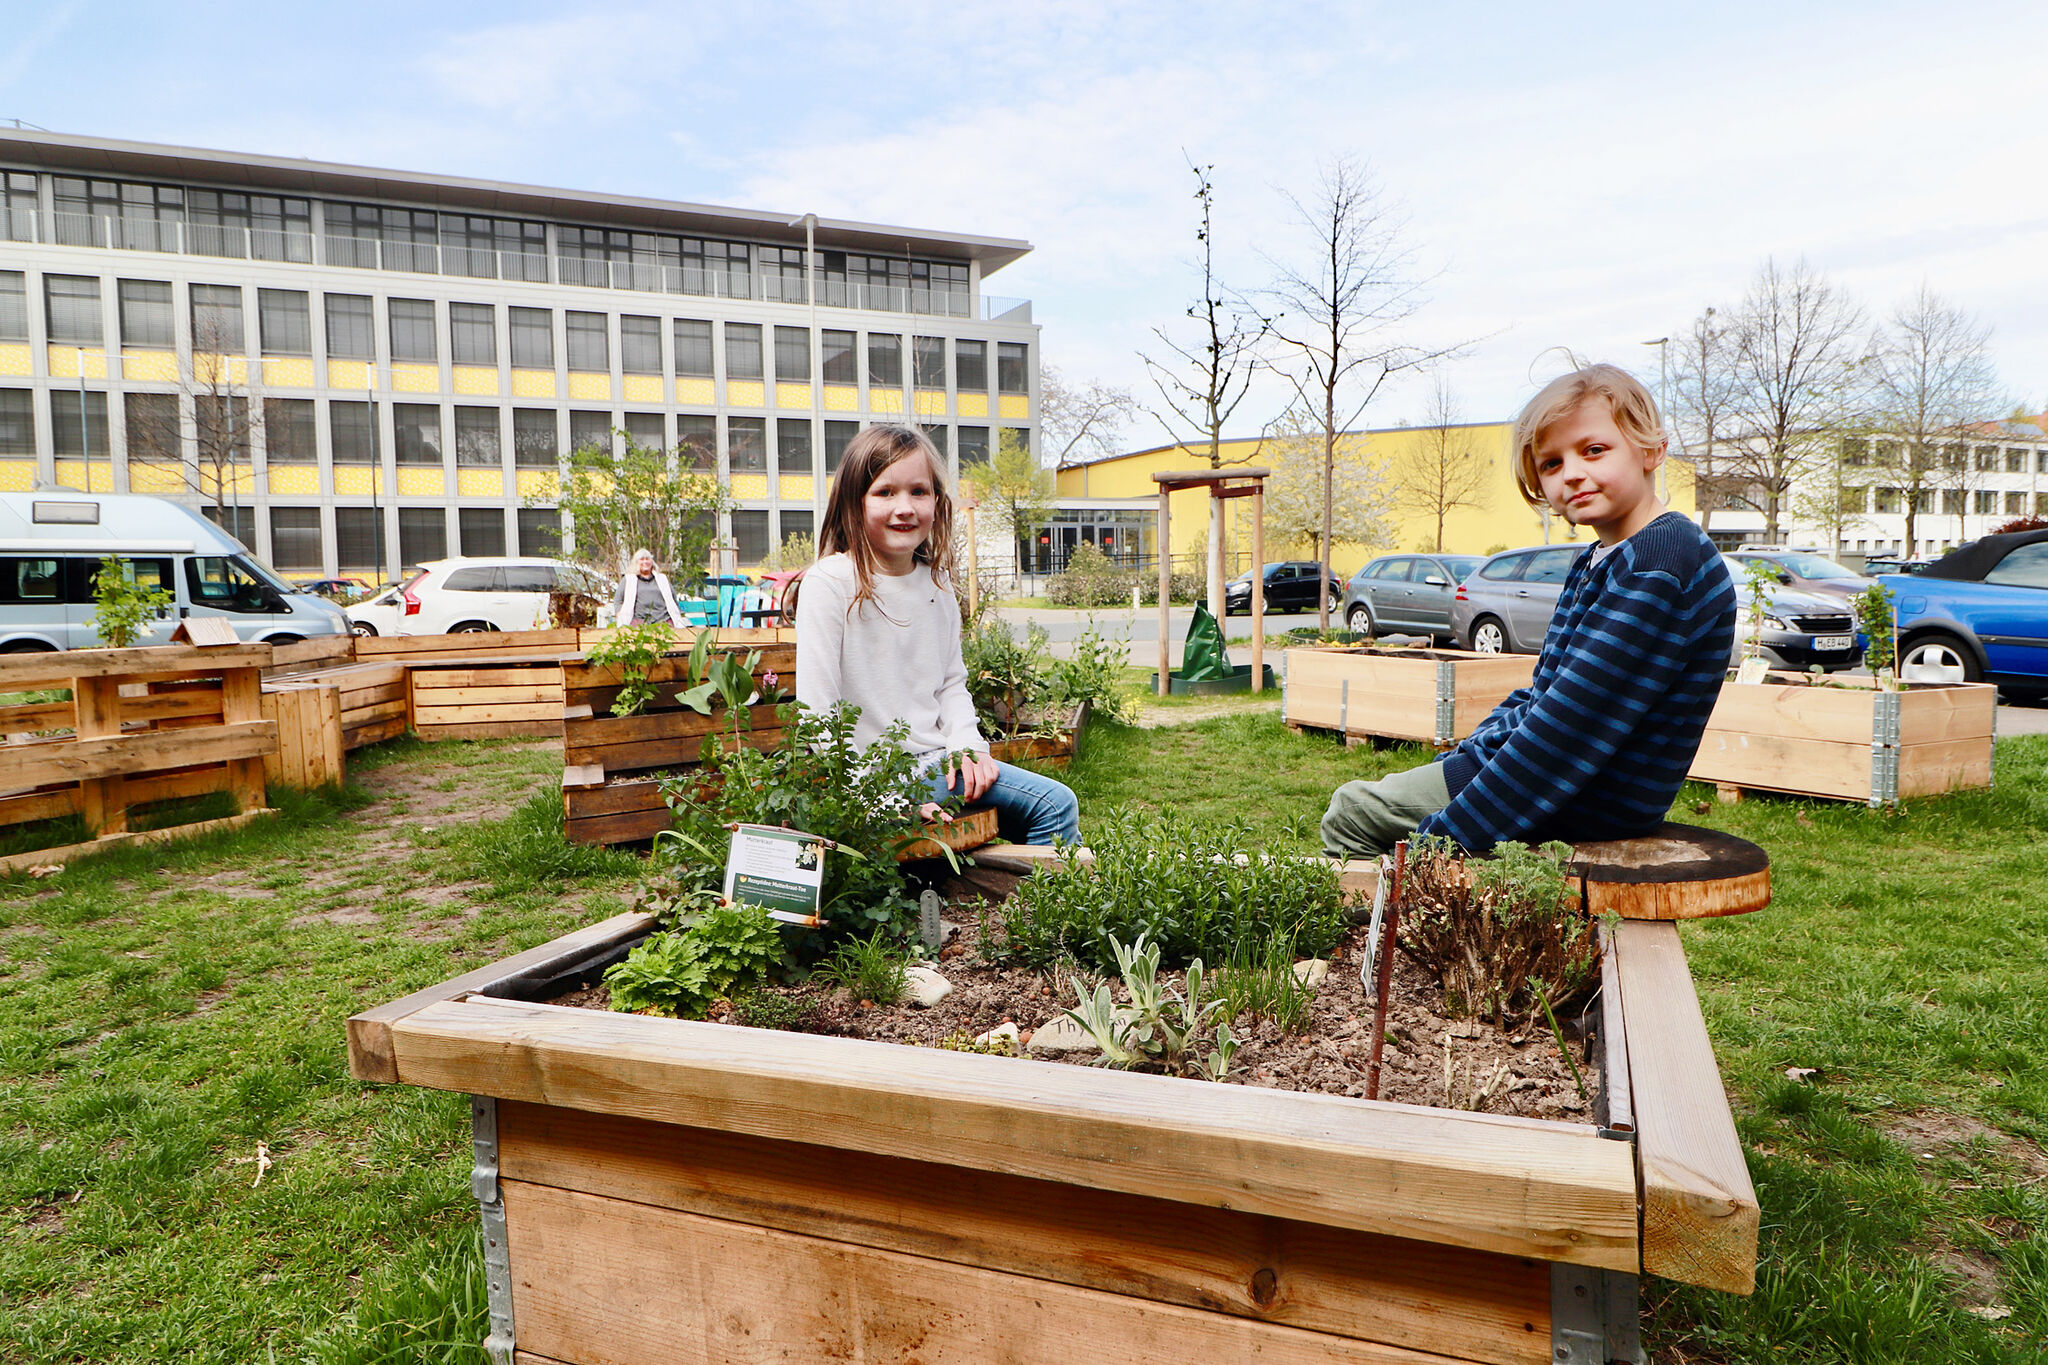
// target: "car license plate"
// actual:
[[1825, 643]]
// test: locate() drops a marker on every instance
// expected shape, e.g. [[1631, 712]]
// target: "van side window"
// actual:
[[529, 578], [481, 578], [217, 581], [82, 578], [31, 580]]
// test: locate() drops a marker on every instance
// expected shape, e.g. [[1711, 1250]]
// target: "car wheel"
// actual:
[[1360, 621], [362, 629], [1938, 658], [284, 639], [1489, 636], [472, 628], [26, 647]]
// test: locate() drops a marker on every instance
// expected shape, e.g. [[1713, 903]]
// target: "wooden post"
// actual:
[[973, 563], [1165, 586], [241, 701], [102, 801], [1259, 586]]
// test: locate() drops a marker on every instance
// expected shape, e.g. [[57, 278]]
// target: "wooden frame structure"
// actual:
[[1426, 696], [1223, 484], [660, 1190]]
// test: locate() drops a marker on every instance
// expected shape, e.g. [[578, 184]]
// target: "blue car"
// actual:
[[1978, 614]]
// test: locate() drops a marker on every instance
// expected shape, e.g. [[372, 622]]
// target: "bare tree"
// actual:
[[1017, 492], [1294, 495], [1792, 377], [1080, 419], [1202, 381], [1336, 310], [1930, 376], [1704, 381], [1831, 498], [207, 428], [1443, 470]]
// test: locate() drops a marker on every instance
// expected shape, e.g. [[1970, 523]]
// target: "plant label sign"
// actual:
[[780, 870]]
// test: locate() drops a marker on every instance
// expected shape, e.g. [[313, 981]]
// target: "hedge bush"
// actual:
[[1092, 580]]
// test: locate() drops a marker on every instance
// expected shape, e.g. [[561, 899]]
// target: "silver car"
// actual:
[[1405, 594], [1807, 571]]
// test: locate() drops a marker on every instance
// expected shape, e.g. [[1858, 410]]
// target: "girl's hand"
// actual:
[[932, 810], [977, 773]]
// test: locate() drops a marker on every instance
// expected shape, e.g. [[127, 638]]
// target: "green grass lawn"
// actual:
[[168, 1010]]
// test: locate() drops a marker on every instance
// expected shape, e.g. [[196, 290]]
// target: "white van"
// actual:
[[51, 545]]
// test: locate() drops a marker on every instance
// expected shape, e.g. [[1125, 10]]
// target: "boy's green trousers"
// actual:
[[1366, 819]]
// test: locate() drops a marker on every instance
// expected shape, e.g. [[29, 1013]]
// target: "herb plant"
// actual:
[[1762, 576], [870, 968], [1019, 688], [121, 605], [1874, 618], [635, 649], [683, 972], [1157, 1025]]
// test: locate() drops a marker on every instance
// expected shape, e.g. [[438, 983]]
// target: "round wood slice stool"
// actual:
[[971, 828], [1674, 872]]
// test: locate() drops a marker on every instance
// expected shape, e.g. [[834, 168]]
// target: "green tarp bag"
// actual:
[[1202, 658]]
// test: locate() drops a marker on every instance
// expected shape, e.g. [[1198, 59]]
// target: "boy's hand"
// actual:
[[976, 774]]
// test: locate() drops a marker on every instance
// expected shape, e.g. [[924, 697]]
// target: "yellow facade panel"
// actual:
[[585, 387], [792, 396], [146, 476], [750, 487], [15, 358], [149, 367], [700, 392], [842, 398], [533, 383], [208, 369], [971, 404], [295, 480], [931, 402], [422, 483], [358, 481], [476, 381], [644, 388], [237, 481], [480, 483], [348, 374], [415, 378], [795, 488], [746, 393], [292, 372], [539, 483], [87, 476], [885, 400], [1013, 407], [17, 476], [64, 361]]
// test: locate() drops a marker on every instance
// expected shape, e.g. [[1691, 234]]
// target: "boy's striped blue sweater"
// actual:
[[1597, 746]]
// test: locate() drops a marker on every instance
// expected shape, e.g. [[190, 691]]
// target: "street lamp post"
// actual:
[[1663, 345]]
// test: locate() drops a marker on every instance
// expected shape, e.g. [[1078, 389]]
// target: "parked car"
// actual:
[[337, 588], [1877, 565], [51, 545], [1290, 586], [1406, 594], [456, 596], [1978, 614], [1807, 571], [1506, 606]]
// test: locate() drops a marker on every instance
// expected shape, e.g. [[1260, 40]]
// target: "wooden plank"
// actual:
[[49, 715], [512, 675], [369, 1033], [608, 1282], [1750, 759], [1473, 1305], [489, 696], [181, 705], [19, 862], [43, 805], [1933, 769], [477, 645], [102, 802], [426, 713], [306, 654], [1700, 1215], [668, 753], [1521, 1187], [207, 632], [372, 711], [584, 776], [116, 755], [1935, 713], [373, 732], [624, 827], [241, 703], [604, 728], [616, 798], [27, 672], [582, 674], [175, 786], [494, 729]]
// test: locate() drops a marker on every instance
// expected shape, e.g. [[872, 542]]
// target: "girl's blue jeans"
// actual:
[[1029, 809]]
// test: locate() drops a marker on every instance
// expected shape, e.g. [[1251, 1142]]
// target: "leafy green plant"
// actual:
[[1092, 579], [635, 650], [1192, 887], [683, 972], [121, 605], [1874, 618], [1262, 985], [1157, 1024], [774, 1009], [1762, 578], [870, 968]]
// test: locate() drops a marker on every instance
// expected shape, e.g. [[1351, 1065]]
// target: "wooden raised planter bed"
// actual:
[[657, 1190], [1056, 750], [1426, 696], [1848, 740]]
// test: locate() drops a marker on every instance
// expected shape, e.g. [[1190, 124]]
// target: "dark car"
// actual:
[[1877, 565], [1290, 586], [1807, 571], [1406, 594], [1978, 614]]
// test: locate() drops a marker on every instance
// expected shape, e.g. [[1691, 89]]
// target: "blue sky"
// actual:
[[1586, 180]]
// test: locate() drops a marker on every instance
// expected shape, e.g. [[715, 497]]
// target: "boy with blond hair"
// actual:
[[1598, 744]]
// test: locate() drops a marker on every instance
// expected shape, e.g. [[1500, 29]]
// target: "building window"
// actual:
[[151, 425], [239, 522], [750, 534], [533, 338], [693, 348], [412, 331], [288, 436], [473, 334], [147, 319], [928, 362], [482, 530], [746, 444], [350, 434], [540, 531], [18, 421], [534, 442], [936, 434], [284, 318], [588, 350], [1011, 364], [836, 348], [793, 355], [416, 433], [295, 539], [837, 436], [970, 366], [2015, 461], [973, 446], [17, 206], [217, 320], [1952, 501], [72, 308], [697, 441], [640, 345], [1987, 502], [221, 430], [422, 535], [795, 522], [1014, 438], [357, 541], [590, 431], [723, 269], [78, 426], [782, 273], [885, 362], [2015, 504], [351, 328], [793, 445], [2041, 462], [644, 429], [1987, 459], [743, 350], [14, 306], [476, 438]]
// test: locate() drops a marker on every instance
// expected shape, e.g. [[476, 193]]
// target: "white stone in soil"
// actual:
[[1061, 1034], [924, 987], [1005, 1033], [1310, 973]]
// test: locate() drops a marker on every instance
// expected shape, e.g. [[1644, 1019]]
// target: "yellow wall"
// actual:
[[1504, 521]]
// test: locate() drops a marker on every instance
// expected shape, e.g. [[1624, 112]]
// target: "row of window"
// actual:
[[1986, 459], [1983, 502], [156, 429], [148, 321]]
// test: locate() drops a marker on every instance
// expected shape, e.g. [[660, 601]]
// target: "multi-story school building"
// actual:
[[391, 365]]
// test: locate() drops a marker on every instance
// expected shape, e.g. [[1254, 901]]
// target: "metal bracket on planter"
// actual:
[[1446, 701], [1344, 707], [1593, 1317], [1884, 749], [1991, 764], [483, 1183]]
